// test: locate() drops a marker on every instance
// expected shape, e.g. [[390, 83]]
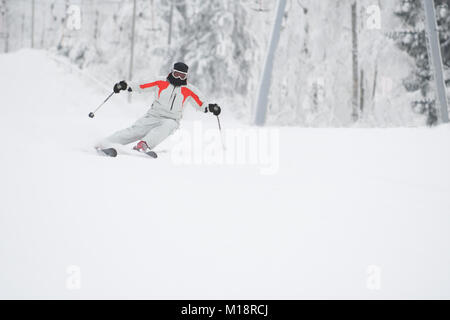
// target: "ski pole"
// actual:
[[221, 136], [92, 114]]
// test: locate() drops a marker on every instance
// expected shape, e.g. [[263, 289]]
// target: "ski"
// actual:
[[110, 152], [152, 154]]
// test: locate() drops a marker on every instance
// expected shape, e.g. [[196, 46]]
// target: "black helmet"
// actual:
[[181, 66]]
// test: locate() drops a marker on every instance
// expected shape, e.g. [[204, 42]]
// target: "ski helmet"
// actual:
[[181, 66]]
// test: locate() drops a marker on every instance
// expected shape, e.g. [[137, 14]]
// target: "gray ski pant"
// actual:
[[151, 128]]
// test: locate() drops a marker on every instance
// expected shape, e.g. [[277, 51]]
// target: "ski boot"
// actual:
[[143, 148]]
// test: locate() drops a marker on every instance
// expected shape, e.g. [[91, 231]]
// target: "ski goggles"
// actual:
[[179, 75]]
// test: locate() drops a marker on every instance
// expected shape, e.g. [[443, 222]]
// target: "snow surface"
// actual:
[[342, 200]]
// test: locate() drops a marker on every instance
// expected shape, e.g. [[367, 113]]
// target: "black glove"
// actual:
[[122, 85], [215, 109]]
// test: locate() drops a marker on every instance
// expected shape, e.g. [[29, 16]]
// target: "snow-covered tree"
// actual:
[[215, 43], [4, 24], [414, 42]]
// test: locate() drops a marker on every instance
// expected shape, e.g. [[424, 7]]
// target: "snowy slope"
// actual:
[[341, 201]]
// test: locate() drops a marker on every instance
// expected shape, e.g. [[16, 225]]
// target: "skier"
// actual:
[[163, 118]]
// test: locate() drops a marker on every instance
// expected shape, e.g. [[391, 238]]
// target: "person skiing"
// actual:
[[163, 118]]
